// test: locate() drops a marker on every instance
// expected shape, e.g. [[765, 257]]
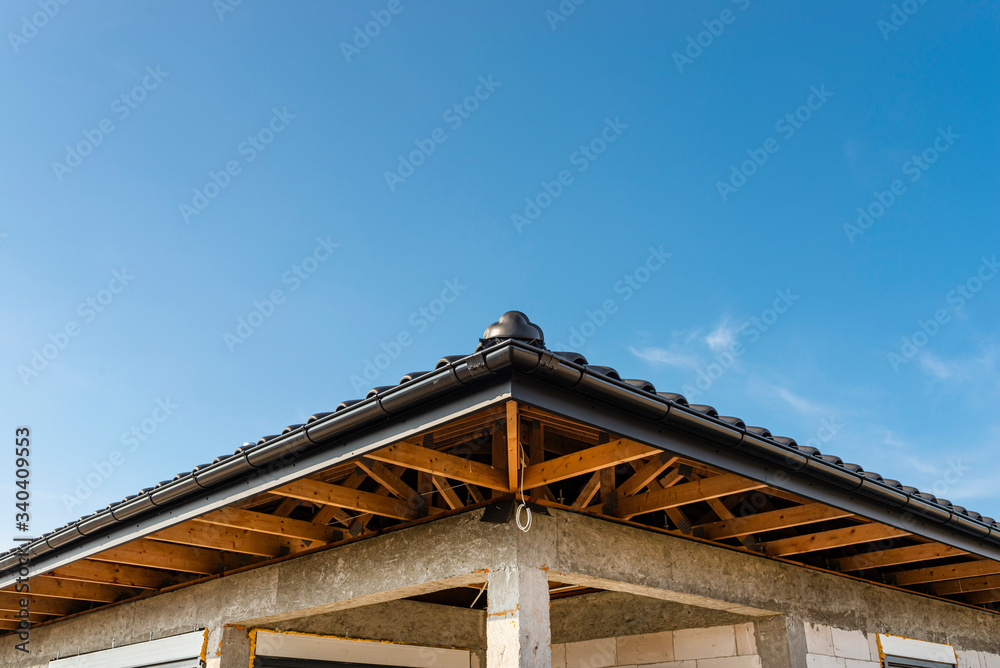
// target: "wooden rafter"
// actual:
[[722, 510], [966, 569], [344, 497], [771, 521], [171, 557], [134, 577], [897, 556], [198, 534], [249, 520], [586, 461], [588, 491], [286, 507], [952, 587], [72, 589], [383, 476], [360, 523], [443, 464], [52, 607], [327, 514], [647, 473], [825, 540], [981, 597], [447, 492], [685, 493]]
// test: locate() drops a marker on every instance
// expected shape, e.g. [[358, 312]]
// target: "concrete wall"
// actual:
[[679, 584]]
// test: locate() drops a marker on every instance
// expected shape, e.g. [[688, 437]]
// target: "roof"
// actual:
[[515, 347]]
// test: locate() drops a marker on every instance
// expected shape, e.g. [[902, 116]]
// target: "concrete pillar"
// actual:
[[781, 642], [228, 647], [517, 618]]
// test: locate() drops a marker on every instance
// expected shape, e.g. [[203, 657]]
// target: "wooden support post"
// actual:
[[609, 497], [513, 445]]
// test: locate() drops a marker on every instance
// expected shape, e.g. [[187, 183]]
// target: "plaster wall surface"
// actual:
[[572, 548]]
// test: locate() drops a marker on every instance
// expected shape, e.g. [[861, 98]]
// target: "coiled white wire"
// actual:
[[517, 516]]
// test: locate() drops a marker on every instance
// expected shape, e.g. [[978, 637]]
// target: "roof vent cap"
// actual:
[[513, 325]]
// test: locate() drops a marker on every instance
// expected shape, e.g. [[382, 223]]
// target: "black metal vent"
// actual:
[[513, 325]]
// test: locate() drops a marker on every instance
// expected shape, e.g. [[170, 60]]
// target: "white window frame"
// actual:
[[911, 653], [181, 651], [307, 646]]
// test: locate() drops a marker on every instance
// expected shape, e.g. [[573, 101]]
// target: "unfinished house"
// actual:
[[514, 506]]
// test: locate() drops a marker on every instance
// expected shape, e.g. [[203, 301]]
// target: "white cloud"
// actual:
[[800, 404], [673, 357], [722, 337], [976, 368], [937, 367]]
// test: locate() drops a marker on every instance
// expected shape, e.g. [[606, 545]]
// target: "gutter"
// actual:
[[453, 374]]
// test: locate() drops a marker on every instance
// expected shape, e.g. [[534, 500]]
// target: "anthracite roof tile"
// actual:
[[514, 325]]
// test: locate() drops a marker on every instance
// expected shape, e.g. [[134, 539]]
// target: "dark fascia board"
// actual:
[[599, 414], [428, 416]]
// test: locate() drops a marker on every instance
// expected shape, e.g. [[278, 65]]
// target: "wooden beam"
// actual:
[[499, 459], [249, 520], [171, 557], [722, 510], [685, 493], [966, 585], [609, 499], [896, 556], [447, 492], [52, 607], [360, 523], [825, 540], [343, 497], [966, 569], [86, 570], [198, 534], [535, 436], [646, 474], [326, 514], [588, 491], [80, 591], [771, 521], [443, 464], [586, 461], [981, 597], [514, 463], [676, 515], [286, 507], [394, 484], [474, 493], [7, 617]]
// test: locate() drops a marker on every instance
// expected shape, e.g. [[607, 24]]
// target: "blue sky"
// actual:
[[216, 215]]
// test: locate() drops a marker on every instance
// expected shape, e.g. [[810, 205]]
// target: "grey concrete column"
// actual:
[[781, 642], [228, 647], [517, 618]]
